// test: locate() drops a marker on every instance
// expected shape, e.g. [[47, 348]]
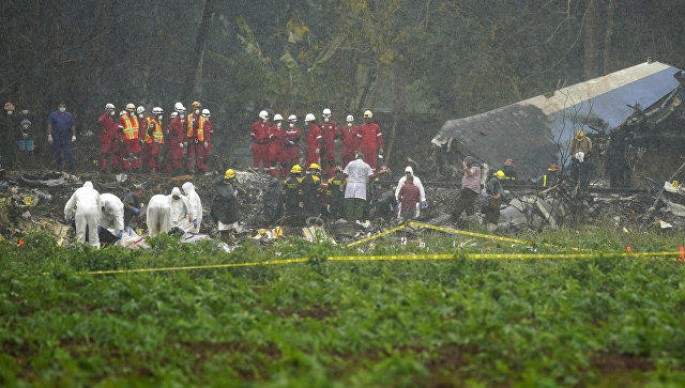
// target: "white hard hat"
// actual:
[[130, 106], [349, 118], [173, 115], [110, 106], [123, 112], [309, 118], [206, 112], [368, 114], [157, 110], [264, 115], [178, 107], [140, 109], [326, 112], [292, 118], [278, 117]]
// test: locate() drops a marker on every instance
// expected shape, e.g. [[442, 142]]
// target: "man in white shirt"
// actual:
[[358, 173]]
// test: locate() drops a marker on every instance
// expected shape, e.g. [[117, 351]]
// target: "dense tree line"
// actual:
[[440, 58]]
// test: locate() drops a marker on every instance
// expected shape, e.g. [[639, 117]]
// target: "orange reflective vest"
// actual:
[[157, 133], [200, 127], [130, 127]]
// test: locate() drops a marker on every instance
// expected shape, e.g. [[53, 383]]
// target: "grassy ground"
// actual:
[[592, 321]]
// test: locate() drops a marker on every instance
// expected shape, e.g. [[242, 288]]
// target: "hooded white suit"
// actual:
[[182, 214], [158, 215], [112, 212], [84, 207], [195, 204], [417, 183]]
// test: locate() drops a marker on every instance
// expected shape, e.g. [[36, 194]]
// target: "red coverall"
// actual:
[[108, 146], [196, 139], [313, 145], [351, 137], [153, 144], [208, 132], [276, 135], [129, 125], [371, 139], [329, 132], [290, 153], [144, 124], [260, 144], [174, 151]]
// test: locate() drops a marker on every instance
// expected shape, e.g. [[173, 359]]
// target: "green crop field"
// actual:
[[600, 321]]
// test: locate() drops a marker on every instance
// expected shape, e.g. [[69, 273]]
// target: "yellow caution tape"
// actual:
[[375, 236], [419, 257], [193, 267]]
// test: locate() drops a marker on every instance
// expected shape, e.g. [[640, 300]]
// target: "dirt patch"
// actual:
[[609, 363]]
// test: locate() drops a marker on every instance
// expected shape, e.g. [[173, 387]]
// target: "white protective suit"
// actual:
[[182, 214], [112, 213], [417, 183], [195, 204], [158, 215], [84, 207]]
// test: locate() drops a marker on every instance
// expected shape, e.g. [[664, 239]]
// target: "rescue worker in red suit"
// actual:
[[174, 153], [351, 138], [154, 138], [206, 145], [195, 138], [329, 132], [276, 134], [313, 140], [371, 140], [260, 141], [108, 134], [130, 127], [290, 146], [143, 123]]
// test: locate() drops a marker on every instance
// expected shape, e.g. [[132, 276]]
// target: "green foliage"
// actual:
[[535, 322]]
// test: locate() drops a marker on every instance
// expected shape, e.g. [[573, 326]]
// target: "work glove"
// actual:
[[486, 195], [181, 144], [120, 234], [423, 204], [185, 144], [317, 151], [290, 142], [206, 145], [50, 139], [195, 223], [136, 210], [272, 137], [73, 138]]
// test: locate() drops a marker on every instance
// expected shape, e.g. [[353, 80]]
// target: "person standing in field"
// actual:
[[358, 174]]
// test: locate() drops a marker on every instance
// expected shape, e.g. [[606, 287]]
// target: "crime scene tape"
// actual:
[[434, 256], [375, 236]]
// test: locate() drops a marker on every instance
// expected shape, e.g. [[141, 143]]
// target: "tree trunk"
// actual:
[[607, 35], [193, 84], [590, 37]]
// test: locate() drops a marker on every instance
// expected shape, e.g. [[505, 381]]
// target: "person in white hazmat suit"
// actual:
[[182, 213], [112, 214], [158, 215], [84, 207], [417, 182], [196, 205]]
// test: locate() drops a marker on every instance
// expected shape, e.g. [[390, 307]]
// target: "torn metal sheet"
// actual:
[[535, 131]]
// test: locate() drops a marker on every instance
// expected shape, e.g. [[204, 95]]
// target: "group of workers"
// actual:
[[134, 139], [277, 146]]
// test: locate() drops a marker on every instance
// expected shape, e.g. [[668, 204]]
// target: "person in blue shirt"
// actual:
[[61, 133]]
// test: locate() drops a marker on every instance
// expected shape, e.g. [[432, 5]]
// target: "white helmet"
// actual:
[[178, 107], [326, 112], [349, 118], [368, 114], [309, 118], [264, 115], [292, 118], [157, 111], [110, 106], [123, 112], [278, 117], [173, 115], [206, 112], [140, 109]]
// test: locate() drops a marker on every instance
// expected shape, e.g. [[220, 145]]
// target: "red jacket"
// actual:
[[351, 136], [314, 137], [371, 134], [260, 132], [110, 128], [276, 134], [209, 130], [329, 132], [176, 131], [291, 134]]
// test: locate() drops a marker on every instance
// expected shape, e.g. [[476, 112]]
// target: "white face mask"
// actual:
[[197, 112], [278, 124], [62, 110], [10, 112], [292, 125], [140, 116], [325, 119], [160, 117], [182, 115], [349, 124], [24, 112], [112, 113]]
